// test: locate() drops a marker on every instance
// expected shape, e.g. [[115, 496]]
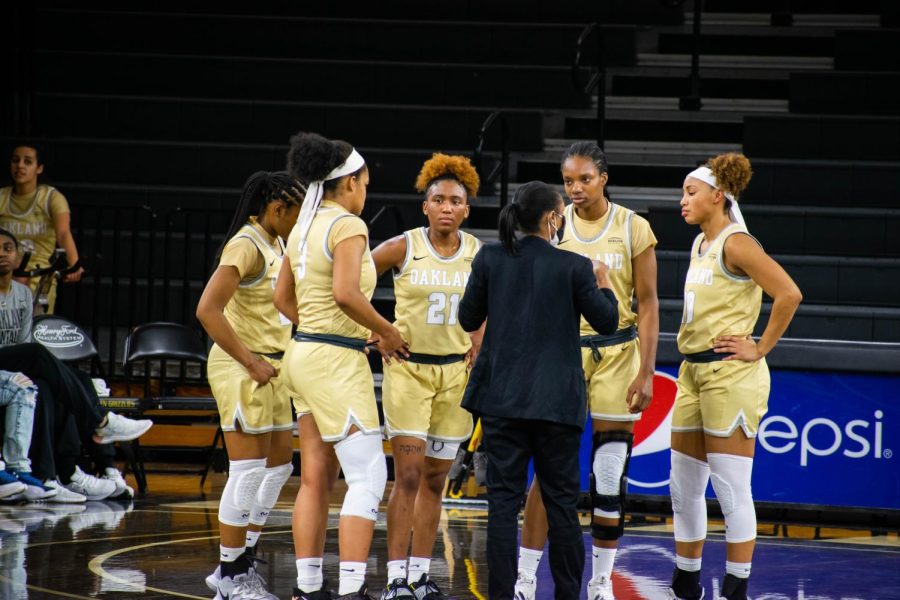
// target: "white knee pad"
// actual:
[[731, 481], [608, 468], [244, 479], [362, 460], [441, 450], [272, 482], [687, 482]]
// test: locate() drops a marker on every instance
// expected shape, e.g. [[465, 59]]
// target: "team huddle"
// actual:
[[289, 309]]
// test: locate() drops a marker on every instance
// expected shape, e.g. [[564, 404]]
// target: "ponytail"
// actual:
[[507, 224], [261, 189], [531, 201]]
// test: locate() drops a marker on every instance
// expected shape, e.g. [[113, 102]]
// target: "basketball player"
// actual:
[[618, 368], [421, 397], [250, 337], [38, 215], [324, 287], [723, 383]]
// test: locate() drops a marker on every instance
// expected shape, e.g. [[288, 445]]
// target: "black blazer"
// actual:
[[529, 366]]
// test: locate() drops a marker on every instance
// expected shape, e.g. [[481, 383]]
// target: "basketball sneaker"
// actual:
[[398, 588], [426, 589], [600, 589], [212, 580], [242, 587], [526, 587], [321, 594]]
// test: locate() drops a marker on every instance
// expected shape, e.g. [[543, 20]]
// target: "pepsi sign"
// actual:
[[828, 439]]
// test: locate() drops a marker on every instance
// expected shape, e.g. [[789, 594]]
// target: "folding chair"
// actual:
[[68, 342], [161, 341]]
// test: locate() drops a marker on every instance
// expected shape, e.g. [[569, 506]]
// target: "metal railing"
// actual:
[[597, 81], [142, 264], [692, 100], [501, 169]]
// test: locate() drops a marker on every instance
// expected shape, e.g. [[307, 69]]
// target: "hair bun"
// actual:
[[732, 172]]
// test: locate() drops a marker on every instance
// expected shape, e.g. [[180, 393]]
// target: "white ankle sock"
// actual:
[[353, 575], [739, 570], [229, 554], [396, 570], [602, 560], [418, 566], [688, 564], [309, 574], [529, 560]]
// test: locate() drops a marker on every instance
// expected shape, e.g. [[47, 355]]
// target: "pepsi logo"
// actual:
[[649, 467]]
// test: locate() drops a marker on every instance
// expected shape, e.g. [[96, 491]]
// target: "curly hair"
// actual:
[[732, 172], [443, 166]]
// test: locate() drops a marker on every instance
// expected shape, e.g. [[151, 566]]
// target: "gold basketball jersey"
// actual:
[[32, 223], [614, 240], [716, 301], [428, 288], [250, 312], [313, 271]]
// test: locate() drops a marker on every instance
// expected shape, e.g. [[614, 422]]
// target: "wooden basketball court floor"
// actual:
[[164, 545]]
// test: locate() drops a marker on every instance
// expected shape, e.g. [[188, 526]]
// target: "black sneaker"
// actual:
[[734, 588], [685, 586], [426, 589], [398, 588], [322, 594]]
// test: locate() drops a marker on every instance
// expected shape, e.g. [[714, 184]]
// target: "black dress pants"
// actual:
[[36, 362], [509, 445]]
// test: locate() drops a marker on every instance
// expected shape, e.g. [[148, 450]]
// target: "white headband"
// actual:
[[705, 175], [315, 191]]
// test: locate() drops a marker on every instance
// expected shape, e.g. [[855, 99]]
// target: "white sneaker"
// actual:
[[123, 490], [63, 494], [10, 487], [526, 587], [89, 486], [35, 490], [243, 587], [600, 589], [121, 429]]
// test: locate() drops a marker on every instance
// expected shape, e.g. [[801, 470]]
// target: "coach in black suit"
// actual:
[[527, 385]]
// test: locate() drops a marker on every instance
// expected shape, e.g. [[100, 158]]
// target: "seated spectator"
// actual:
[[63, 396], [18, 395]]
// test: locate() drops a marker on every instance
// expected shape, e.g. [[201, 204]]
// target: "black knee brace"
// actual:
[[609, 502]]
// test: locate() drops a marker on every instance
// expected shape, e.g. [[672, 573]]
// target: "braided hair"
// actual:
[[261, 189]]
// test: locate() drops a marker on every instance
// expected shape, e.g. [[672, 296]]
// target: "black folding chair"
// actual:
[[68, 342], [161, 342]]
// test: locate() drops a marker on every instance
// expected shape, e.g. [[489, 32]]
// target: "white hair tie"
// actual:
[[315, 191], [705, 175]]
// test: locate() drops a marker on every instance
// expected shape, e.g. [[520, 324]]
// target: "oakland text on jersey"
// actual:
[[613, 260], [699, 276], [442, 277], [19, 228]]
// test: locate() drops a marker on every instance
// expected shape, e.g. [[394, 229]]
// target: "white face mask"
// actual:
[[556, 236]]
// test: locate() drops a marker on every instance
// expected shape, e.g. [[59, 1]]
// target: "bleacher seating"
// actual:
[[178, 118]]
